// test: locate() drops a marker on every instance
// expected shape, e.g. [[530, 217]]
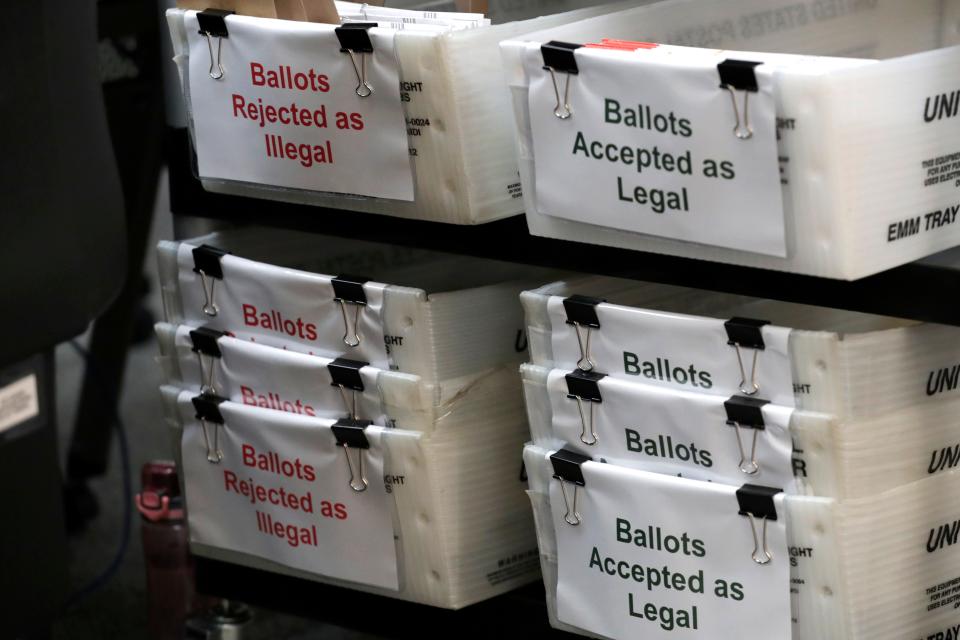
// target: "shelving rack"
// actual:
[[916, 291]]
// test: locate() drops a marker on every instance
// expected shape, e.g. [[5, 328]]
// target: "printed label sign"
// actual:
[[285, 308], [677, 433], [19, 401], [651, 140], [279, 379], [282, 492], [674, 350], [286, 111], [658, 557]]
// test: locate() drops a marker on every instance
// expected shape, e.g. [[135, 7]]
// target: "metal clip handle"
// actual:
[[585, 363], [209, 285], [742, 129], [214, 454], [753, 467], [206, 374], [349, 397], [358, 482], [587, 421], [566, 111], [219, 63], [754, 383], [761, 552], [572, 516], [351, 337]]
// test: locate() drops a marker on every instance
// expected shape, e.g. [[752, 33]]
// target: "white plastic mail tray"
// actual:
[[850, 365], [458, 124], [866, 569], [458, 317], [831, 457], [460, 540], [868, 152]]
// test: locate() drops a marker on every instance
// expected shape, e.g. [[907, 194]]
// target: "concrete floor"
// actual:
[[118, 610]]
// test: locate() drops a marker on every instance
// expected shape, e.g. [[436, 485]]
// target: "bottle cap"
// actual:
[[160, 498]]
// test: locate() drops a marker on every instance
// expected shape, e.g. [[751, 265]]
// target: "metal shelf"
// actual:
[[914, 291], [521, 613]]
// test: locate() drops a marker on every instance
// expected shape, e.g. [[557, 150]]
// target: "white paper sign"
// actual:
[[19, 401], [261, 376], [659, 558], [673, 432], [284, 308], [650, 147], [282, 493], [675, 350], [286, 111]]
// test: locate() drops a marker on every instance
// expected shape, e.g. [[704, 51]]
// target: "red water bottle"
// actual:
[[166, 550]]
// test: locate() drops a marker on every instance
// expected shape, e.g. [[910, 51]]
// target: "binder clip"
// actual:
[[584, 386], [355, 40], [740, 75], [213, 23], [582, 314], [349, 434], [757, 502], [558, 56], [204, 342], [566, 469], [207, 406], [349, 290], [746, 413], [745, 333], [206, 262], [345, 375]]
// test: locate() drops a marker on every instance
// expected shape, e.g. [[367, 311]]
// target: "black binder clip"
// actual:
[[213, 24], [355, 40], [566, 469], [345, 375], [584, 386], [757, 502], [747, 413], [208, 413], [740, 75], [558, 56], [350, 435], [206, 262], [349, 290], [205, 343], [582, 314], [746, 333]]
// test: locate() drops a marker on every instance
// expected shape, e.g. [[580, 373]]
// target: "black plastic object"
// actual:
[[559, 56], [213, 22], [350, 289], [346, 373], [207, 406], [205, 341], [745, 332], [738, 74], [206, 259], [350, 433], [582, 310], [745, 412], [566, 466], [355, 37], [585, 385], [757, 501]]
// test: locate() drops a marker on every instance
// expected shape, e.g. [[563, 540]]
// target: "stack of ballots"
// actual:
[[704, 462], [346, 430], [394, 111]]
